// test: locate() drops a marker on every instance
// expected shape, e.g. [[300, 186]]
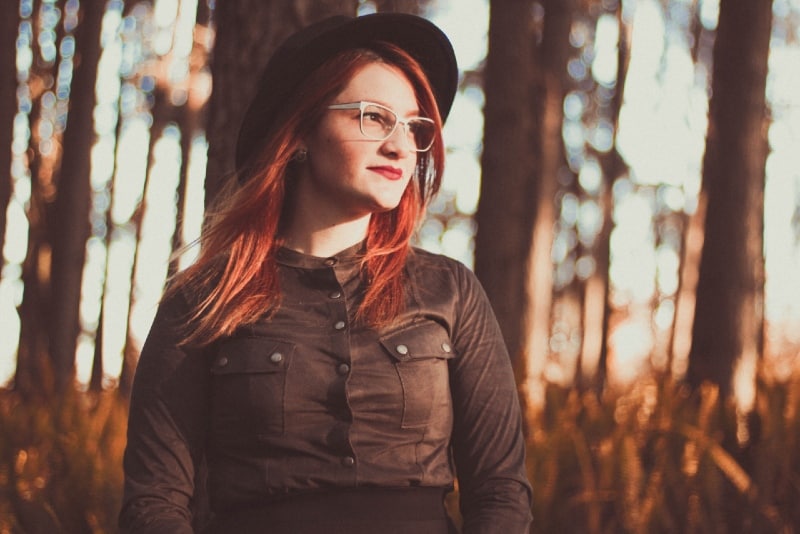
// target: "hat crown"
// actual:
[[304, 51]]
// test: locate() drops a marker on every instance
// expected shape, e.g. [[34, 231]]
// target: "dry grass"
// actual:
[[654, 459], [662, 459], [61, 463]]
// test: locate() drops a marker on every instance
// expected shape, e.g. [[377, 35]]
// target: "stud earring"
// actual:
[[300, 155]]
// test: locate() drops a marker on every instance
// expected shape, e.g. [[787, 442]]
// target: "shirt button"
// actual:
[[446, 347], [348, 461], [340, 325], [343, 369], [401, 349], [335, 294], [330, 262], [222, 362], [276, 357]]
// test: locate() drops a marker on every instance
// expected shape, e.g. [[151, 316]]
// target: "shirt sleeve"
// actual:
[[488, 444], [166, 429]]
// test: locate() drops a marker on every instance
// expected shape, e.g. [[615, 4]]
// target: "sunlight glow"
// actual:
[[632, 344], [604, 66]]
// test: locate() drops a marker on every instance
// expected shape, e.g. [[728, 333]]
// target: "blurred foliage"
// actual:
[[661, 459], [655, 458], [61, 463]]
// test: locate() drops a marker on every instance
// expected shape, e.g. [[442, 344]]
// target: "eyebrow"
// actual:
[[414, 113]]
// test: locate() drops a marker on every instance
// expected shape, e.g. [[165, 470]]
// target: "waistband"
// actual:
[[375, 507]]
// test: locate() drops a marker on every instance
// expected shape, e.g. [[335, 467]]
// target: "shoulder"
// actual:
[[193, 285], [438, 276], [429, 264]]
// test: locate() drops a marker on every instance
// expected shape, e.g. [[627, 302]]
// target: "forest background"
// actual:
[[623, 176]]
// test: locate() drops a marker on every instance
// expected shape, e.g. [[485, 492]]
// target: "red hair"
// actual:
[[235, 278]]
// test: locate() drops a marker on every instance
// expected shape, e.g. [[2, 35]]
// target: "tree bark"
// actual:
[[162, 113], [9, 24], [594, 360], [553, 84], [189, 118], [72, 204], [247, 32], [510, 170], [33, 374], [730, 291]]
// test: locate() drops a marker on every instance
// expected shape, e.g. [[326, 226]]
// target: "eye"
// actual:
[[379, 117]]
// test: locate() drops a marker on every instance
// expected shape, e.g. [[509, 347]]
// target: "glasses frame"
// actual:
[[362, 104]]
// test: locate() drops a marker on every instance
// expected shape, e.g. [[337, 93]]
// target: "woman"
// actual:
[[332, 378]]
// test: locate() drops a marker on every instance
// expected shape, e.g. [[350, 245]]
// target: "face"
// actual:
[[346, 175]]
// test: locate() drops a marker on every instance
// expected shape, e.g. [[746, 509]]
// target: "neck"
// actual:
[[327, 241], [315, 237]]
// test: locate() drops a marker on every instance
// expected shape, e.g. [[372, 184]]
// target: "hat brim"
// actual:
[[302, 53]]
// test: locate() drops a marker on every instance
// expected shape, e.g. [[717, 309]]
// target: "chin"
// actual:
[[386, 206]]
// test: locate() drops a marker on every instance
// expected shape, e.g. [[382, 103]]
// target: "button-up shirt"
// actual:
[[309, 399]]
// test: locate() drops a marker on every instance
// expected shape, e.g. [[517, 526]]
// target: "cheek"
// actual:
[[411, 166], [327, 156]]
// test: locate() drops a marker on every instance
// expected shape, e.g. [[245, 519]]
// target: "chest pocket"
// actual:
[[420, 355], [249, 387]]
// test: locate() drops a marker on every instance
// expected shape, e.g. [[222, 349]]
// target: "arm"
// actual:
[[488, 445], [166, 429]]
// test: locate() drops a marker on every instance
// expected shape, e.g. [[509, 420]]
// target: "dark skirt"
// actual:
[[352, 511]]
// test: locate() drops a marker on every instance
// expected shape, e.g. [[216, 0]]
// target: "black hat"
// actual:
[[307, 49]]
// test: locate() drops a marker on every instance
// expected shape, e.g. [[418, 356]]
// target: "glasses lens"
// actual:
[[421, 133], [377, 122]]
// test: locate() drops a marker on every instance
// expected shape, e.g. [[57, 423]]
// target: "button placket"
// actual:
[[334, 293]]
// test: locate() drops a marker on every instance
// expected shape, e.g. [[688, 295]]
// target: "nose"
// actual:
[[399, 142]]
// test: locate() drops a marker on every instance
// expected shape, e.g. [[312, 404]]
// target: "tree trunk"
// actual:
[[510, 171], [553, 84], [189, 117], [162, 112], [730, 291], [33, 374], [8, 107], [594, 359], [72, 204], [247, 32]]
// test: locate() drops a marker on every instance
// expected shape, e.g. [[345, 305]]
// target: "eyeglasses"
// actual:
[[379, 123]]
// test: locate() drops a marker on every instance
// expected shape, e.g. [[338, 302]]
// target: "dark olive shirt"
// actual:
[[309, 400]]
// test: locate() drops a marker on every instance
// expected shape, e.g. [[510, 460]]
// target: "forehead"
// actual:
[[381, 83]]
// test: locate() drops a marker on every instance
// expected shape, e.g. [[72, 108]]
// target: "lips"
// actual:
[[388, 172]]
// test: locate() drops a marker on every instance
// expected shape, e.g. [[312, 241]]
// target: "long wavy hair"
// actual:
[[234, 280]]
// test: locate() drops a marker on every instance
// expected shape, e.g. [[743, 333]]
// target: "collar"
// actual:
[[350, 256]]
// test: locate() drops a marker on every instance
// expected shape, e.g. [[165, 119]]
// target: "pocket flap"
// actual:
[[424, 340], [252, 355]]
